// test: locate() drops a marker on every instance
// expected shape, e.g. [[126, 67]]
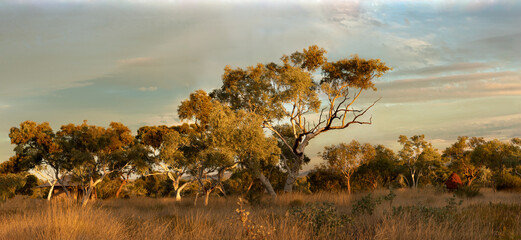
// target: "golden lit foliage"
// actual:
[[289, 92]]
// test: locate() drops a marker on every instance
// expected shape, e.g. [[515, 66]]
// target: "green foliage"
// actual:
[[303, 185], [323, 179], [379, 171], [288, 91], [420, 159], [320, 215], [368, 203], [424, 213], [459, 157], [108, 188], [507, 181], [255, 193], [9, 184], [31, 181], [238, 182], [136, 188], [346, 158], [15, 164], [152, 186]]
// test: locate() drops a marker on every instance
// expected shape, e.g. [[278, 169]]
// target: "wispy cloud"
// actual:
[[136, 61], [481, 84], [148, 89], [444, 69]]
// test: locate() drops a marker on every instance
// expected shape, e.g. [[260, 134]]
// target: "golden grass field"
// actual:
[[494, 215]]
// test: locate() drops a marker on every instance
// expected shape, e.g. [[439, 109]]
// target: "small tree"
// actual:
[[167, 144], [501, 158], [93, 152], [380, 170], [346, 158], [134, 159], [418, 156], [459, 155], [37, 148]]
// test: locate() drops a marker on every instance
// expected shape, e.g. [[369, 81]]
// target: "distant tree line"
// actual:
[[254, 129], [479, 162]]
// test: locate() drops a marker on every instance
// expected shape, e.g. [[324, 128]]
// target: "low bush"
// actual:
[[507, 181], [319, 215], [467, 191]]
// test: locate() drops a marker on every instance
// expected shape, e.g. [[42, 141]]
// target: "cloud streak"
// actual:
[[136, 61], [470, 85]]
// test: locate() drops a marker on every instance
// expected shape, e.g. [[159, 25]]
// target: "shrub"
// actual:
[[467, 191], [249, 229], [325, 180], [507, 181], [31, 181], [296, 203], [423, 213], [108, 188], [367, 204], [255, 193], [320, 215], [9, 184]]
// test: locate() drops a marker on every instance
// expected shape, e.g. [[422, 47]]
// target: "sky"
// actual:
[[456, 64]]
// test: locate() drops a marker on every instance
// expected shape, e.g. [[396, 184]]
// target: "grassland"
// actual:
[[424, 214]]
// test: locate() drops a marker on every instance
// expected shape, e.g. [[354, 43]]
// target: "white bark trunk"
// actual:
[[267, 185], [92, 185], [179, 190], [49, 195]]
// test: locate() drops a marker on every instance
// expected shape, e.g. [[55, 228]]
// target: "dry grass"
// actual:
[[491, 216]]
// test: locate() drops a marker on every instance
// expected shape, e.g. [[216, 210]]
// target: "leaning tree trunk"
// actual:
[[293, 174], [178, 191], [469, 181], [65, 189], [121, 187], [86, 196], [349, 185], [92, 186], [267, 185], [49, 195], [206, 197]]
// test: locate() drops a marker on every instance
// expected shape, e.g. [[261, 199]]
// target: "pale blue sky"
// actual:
[[456, 63]]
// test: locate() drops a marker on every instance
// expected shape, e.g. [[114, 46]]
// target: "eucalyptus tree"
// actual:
[[133, 159], [288, 93], [419, 157], [459, 154], [346, 158], [93, 152], [38, 149], [498, 156], [167, 145], [381, 169]]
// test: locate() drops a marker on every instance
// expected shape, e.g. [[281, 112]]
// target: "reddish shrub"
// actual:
[[454, 182]]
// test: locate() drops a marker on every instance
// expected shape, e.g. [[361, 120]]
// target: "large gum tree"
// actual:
[[292, 92]]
